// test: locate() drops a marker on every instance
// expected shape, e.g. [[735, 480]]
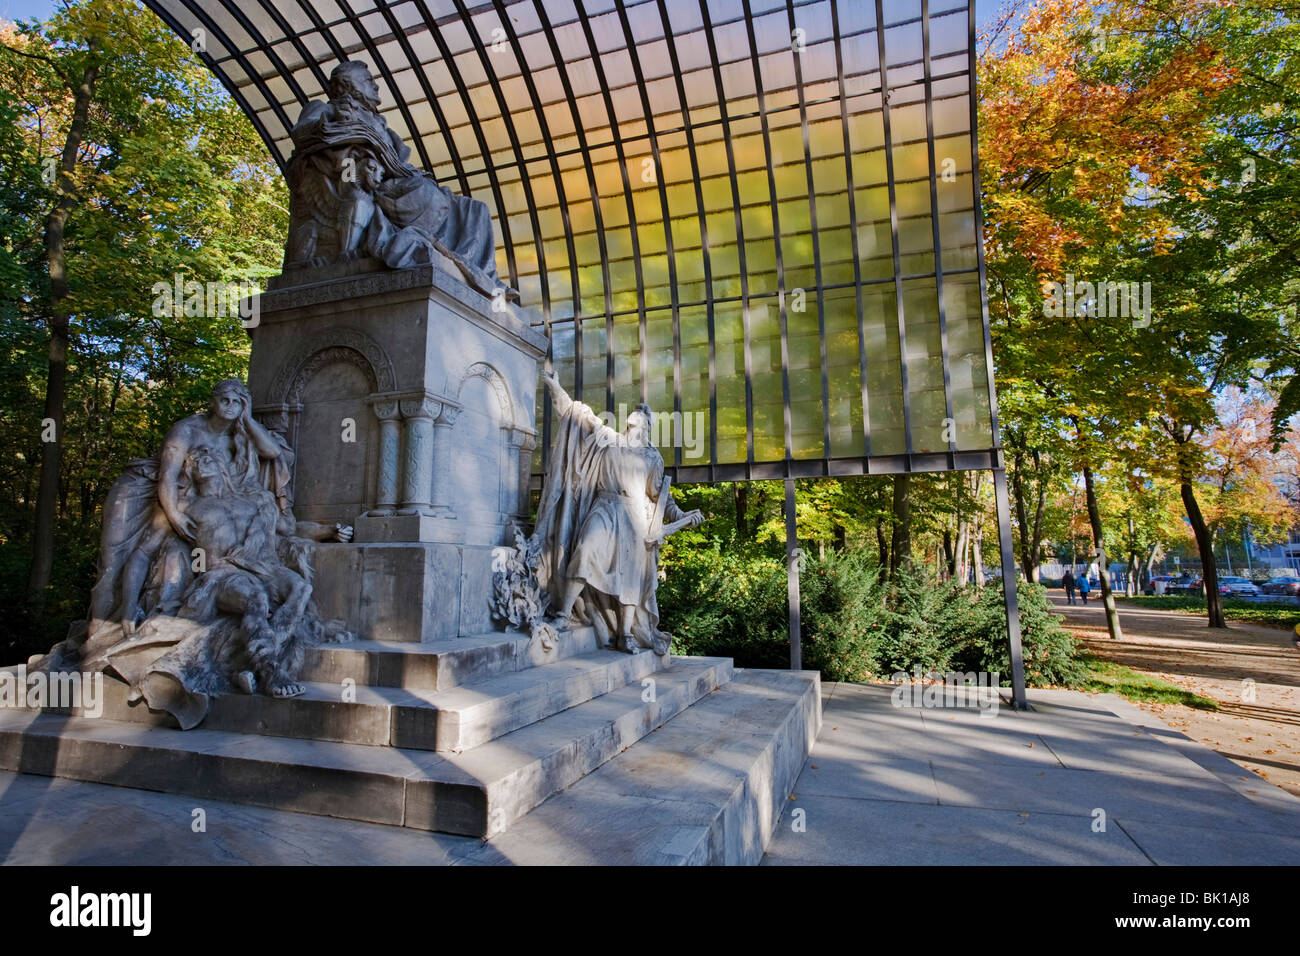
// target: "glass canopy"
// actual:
[[759, 217]]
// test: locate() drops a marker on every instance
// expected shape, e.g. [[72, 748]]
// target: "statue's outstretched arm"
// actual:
[[559, 397]]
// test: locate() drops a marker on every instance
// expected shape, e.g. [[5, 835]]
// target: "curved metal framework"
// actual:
[[760, 214]]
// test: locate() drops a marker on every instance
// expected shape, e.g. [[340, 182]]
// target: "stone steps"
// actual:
[[477, 793], [455, 719], [441, 664], [708, 787]]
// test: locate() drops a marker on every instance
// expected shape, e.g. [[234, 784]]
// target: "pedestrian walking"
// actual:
[[1068, 582], [1084, 588]]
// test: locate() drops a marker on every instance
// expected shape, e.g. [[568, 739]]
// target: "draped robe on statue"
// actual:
[[413, 213], [599, 499]]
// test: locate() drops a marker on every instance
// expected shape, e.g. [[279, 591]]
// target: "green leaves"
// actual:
[[171, 179]]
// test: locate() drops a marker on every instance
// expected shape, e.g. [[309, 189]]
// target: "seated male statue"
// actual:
[[353, 193]]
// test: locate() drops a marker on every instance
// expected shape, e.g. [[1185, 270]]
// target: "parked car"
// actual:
[[1284, 585], [1238, 587], [1161, 584], [1172, 584]]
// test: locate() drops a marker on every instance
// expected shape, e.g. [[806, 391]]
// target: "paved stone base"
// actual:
[[882, 786], [478, 792]]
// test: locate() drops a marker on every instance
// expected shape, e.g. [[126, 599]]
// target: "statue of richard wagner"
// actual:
[[353, 193]]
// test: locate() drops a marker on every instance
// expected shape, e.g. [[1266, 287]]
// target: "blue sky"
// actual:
[[27, 9]]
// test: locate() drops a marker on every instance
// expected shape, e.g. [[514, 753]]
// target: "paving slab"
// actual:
[[1176, 845], [1024, 788], [844, 770], [855, 832]]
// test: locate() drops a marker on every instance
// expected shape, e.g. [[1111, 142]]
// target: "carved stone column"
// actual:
[[522, 441], [442, 447], [390, 461], [417, 457]]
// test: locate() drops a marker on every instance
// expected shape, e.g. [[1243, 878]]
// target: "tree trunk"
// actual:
[[741, 494], [963, 554], [977, 556], [882, 544], [1130, 586], [1205, 545], [900, 547], [1148, 572], [60, 317], [1103, 569], [1030, 534]]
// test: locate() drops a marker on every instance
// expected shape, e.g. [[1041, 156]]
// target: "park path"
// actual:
[[1262, 735]]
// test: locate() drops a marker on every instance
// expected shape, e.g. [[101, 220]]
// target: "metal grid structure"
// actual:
[[758, 215]]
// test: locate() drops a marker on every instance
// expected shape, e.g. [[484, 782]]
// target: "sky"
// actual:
[[25, 9]]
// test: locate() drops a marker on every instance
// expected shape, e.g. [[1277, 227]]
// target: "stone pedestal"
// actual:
[[406, 592], [408, 399]]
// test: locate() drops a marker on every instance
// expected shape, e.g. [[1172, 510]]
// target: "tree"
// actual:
[[127, 164], [1086, 114]]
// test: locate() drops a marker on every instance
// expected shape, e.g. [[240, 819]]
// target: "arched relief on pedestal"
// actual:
[[496, 382], [492, 450], [337, 344], [370, 356], [324, 392]]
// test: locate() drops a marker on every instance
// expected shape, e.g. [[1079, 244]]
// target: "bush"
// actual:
[[854, 626], [926, 625], [1051, 653], [844, 615], [719, 605]]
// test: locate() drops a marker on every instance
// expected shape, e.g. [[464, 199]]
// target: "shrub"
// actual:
[[1051, 653], [854, 626], [719, 605], [844, 616]]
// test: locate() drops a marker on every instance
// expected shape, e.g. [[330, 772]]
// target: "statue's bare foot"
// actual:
[[287, 689], [246, 681], [128, 626]]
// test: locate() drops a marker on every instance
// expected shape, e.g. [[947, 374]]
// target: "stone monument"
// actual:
[[400, 370], [369, 477], [373, 481]]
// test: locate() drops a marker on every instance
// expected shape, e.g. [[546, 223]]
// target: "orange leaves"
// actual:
[[1080, 106]]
